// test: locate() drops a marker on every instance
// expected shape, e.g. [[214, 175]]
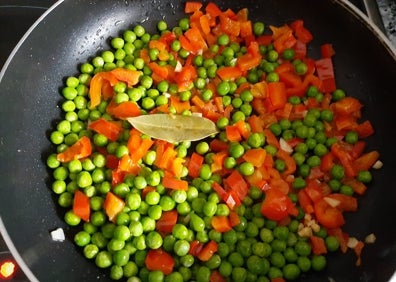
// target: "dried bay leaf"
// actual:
[[174, 128]]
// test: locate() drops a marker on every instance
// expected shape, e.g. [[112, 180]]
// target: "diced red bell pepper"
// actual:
[[208, 251], [110, 129], [347, 106], [79, 150], [318, 245], [366, 161], [324, 68], [327, 215], [221, 223], [124, 110], [277, 95], [160, 260], [237, 183], [81, 206], [174, 183], [167, 221], [276, 205], [113, 205], [346, 203]]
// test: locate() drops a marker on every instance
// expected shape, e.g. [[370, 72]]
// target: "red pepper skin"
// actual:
[[81, 206], [79, 150], [159, 260], [167, 221], [327, 215], [276, 205]]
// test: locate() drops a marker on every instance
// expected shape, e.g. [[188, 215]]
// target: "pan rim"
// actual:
[[380, 35], [25, 36]]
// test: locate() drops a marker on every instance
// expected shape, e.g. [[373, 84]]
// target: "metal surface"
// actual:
[[71, 32], [374, 13]]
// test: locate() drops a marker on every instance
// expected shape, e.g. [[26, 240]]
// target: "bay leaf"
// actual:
[[174, 128]]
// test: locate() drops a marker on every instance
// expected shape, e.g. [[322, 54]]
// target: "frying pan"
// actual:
[[72, 32]]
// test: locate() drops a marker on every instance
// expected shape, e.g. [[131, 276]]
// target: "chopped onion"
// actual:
[[305, 232], [352, 242], [58, 235], [370, 239], [332, 202], [378, 164], [315, 227], [285, 146], [178, 67]]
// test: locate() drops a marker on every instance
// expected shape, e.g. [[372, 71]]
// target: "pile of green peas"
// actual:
[[257, 249]]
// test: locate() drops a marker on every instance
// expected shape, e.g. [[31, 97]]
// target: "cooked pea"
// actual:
[[291, 271], [266, 235], [280, 165], [288, 54], [303, 248], [223, 40], [223, 88], [103, 259], [272, 77], [272, 56], [337, 172], [346, 190], [258, 28], [313, 161], [301, 68], [246, 168], [318, 262], [364, 176], [154, 240], [338, 94]]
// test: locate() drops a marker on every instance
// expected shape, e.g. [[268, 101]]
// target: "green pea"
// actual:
[[225, 268], [154, 212], [209, 208], [303, 248], [318, 262], [291, 271], [223, 40], [299, 183], [84, 179], [103, 259], [301, 68], [364, 176], [288, 54], [197, 223], [239, 274], [180, 231], [346, 190], [203, 274], [338, 94], [258, 28], [223, 88], [154, 240], [337, 172], [280, 165], [246, 168], [82, 238], [313, 161], [181, 247], [90, 251], [277, 259], [236, 150]]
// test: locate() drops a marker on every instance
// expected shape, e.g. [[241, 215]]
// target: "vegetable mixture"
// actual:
[[272, 153]]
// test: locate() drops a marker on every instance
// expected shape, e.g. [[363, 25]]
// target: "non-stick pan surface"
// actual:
[[73, 31]]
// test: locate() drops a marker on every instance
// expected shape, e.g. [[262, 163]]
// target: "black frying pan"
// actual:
[[73, 31]]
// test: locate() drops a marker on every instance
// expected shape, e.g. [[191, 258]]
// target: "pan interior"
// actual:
[[72, 32]]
